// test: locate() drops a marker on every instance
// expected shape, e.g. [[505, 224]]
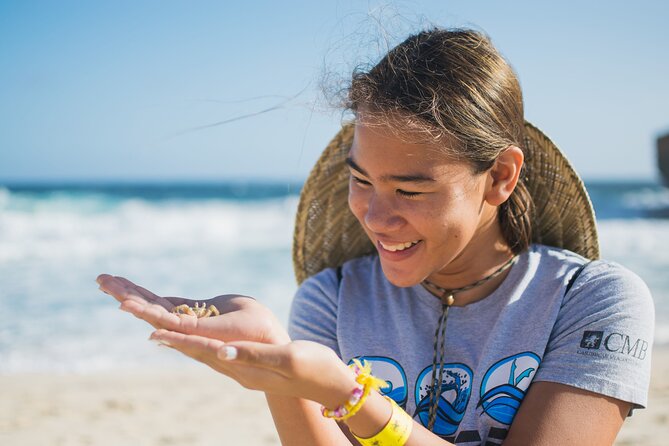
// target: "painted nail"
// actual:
[[227, 353]]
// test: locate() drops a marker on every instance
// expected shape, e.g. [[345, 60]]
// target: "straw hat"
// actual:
[[327, 234]]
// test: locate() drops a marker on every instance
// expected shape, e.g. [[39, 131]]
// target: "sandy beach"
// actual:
[[195, 406], [192, 406], [650, 426]]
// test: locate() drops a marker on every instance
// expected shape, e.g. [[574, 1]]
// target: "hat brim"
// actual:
[[327, 234]]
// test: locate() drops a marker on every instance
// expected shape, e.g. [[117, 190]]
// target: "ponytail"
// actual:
[[515, 218]]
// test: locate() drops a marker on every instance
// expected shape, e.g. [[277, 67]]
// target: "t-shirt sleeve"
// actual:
[[313, 313], [602, 338]]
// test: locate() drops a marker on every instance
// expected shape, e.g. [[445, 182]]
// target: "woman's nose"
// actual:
[[382, 215]]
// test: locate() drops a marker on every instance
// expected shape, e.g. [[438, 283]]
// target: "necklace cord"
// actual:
[[447, 299], [436, 382], [452, 291]]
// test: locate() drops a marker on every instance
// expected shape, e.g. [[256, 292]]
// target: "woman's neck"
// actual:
[[486, 253]]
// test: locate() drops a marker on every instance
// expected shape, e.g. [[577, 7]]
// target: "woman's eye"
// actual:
[[360, 180], [400, 192], [405, 193]]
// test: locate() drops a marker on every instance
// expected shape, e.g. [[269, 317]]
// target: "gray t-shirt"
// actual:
[[596, 336]]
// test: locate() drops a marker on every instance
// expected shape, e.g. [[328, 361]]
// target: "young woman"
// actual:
[[465, 275]]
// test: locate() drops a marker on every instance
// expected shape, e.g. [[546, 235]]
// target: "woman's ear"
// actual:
[[504, 174]]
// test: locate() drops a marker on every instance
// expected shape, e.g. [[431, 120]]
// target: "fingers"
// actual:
[[158, 317], [232, 326], [192, 345], [197, 347], [117, 289], [146, 294], [241, 317], [226, 327], [206, 350], [146, 305], [243, 352], [273, 357], [122, 289], [257, 355]]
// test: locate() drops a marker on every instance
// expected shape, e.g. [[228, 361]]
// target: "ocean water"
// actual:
[[200, 241]]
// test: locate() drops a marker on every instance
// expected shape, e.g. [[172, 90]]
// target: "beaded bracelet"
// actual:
[[395, 433], [365, 384]]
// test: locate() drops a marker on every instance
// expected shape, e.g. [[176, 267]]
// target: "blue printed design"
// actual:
[[392, 372], [504, 385], [454, 393]]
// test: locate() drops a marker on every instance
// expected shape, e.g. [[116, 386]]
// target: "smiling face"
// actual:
[[426, 214]]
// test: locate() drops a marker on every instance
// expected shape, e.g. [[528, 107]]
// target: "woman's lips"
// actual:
[[387, 251]]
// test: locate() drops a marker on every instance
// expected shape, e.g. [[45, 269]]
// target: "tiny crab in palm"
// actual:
[[197, 310]]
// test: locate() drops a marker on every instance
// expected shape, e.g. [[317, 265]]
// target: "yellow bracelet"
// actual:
[[395, 433]]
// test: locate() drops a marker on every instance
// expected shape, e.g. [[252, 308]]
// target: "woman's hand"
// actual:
[[241, 317], [300, 369], [294, 374]]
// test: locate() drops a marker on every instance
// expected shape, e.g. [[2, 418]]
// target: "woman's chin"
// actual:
[[400, 279]]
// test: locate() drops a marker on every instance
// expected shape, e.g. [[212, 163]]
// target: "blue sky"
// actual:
[[110, 91]]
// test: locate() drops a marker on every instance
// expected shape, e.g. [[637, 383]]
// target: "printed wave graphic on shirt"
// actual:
[[454, 393], [504, 385], [392, 372]]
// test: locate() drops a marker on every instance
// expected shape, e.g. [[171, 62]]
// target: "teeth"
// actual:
[[398, 247]]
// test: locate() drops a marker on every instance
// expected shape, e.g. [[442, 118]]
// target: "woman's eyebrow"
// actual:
[[409, 178]]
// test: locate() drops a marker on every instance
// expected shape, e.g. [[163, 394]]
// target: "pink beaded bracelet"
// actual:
[[366, 383]]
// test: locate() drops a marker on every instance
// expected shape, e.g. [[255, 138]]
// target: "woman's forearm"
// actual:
[[375, 414], [299, 421]]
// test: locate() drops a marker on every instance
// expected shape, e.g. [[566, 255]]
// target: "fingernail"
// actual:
[[161, 342], [227, 353]]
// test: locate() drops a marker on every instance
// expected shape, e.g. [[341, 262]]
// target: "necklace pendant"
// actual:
[[448, 299]]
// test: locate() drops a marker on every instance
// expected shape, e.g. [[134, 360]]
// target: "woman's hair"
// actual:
[[454, 86]]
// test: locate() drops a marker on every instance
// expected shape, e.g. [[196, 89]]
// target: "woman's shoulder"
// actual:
[[565, 256], [604, 324], [600, 277], [597, 283], [612, 280], [550, 257]]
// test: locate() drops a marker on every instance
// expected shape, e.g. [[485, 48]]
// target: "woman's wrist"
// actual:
[[372, 416], [340, 390], [363, 385]]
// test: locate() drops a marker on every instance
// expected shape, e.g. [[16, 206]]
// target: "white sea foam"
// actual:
[[647, 198], [51, 250], [57, 232]]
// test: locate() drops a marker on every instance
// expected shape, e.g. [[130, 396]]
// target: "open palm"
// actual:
[[241, 318]]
